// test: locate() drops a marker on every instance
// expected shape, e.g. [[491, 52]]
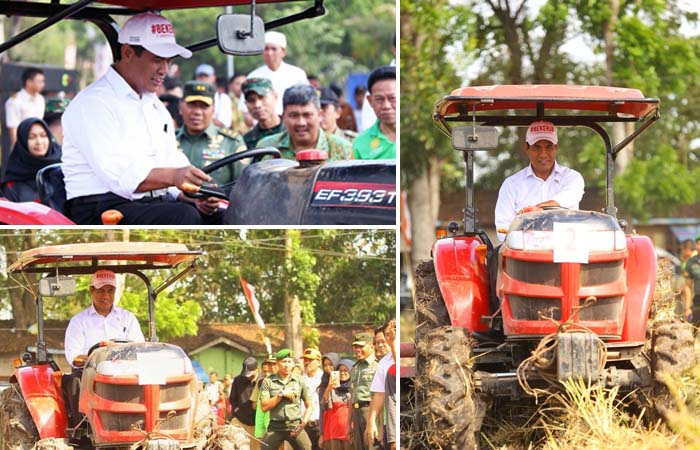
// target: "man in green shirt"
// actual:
[[302, 119], [281, 394], [379, 141], [260, 100], [361, 377], [201, 140]]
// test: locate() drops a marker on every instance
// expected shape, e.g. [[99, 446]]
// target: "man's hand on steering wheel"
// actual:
[[207, 205]]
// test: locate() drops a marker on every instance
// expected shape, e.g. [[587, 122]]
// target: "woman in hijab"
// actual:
[[35, 149], [335, 415]]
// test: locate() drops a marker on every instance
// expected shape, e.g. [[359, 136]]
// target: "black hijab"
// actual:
[[22, 165], [326, 377]]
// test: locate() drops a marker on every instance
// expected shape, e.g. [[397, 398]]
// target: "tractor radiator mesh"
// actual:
[[120, 393], [529, 308], [606, 308], [593, 274], [543, 273], [178, 421], [121, 422], [174, 392]]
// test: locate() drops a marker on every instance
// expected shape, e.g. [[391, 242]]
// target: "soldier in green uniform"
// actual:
[[302, 120], [330, 113], [260, 100], [281, 394], [201, 140], [361, 377]]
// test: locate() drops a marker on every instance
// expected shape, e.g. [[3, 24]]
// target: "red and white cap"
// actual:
[[541, 130], [153, 32], [102, 278]]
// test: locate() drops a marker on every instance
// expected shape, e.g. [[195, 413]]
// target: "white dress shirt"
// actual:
[[313, 383], [524, 188], [223, 110], [23, 106], [88, 327], [112, 139], [284, 77], [379, 380]]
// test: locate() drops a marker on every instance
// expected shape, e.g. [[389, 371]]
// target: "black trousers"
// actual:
[[314, 432], [162, 210]]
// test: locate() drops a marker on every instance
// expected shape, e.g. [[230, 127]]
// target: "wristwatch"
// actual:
[[280, 394]]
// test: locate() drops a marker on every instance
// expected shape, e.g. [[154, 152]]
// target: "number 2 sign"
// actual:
[[570, 242]]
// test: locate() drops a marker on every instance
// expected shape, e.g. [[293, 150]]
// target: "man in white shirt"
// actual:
[[28, 102], [119, 148], [102, 321], [281, 74], [542, 183], [312, 376], [377, 388], [223, 111]]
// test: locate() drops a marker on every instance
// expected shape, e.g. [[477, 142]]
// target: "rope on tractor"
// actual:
[[155, 434], [542, 360]]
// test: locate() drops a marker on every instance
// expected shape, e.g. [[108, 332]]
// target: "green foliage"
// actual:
[[173, 318]]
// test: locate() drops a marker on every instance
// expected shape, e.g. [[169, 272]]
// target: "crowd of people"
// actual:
[[319, 401], [131, 139]]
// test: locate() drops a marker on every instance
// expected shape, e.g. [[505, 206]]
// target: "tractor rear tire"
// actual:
[[17, 428], [450, 413], [672, 348]]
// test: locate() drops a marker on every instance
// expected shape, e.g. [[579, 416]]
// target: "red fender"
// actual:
[[44, 399], [641, 279], [463, 279], [30, 213]]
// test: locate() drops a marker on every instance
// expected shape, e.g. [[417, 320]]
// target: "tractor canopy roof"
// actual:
[[179, 4], [568, 100], [149, 255]]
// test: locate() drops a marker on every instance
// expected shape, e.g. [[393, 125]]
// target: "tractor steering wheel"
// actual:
[[100, 344], [550, 207], [256, 155]]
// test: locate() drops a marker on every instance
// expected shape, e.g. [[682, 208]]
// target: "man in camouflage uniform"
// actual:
[[302, 120], [281, 394], [361, 376], [201, 140], [330, 113], [260, 100]]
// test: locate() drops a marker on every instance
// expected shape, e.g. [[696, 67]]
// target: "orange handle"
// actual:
[[189, 187], [111, 217]]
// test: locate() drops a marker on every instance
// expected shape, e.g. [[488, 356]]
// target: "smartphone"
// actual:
[[335, 377]]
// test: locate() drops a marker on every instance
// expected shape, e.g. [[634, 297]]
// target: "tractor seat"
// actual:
[[51, 188]]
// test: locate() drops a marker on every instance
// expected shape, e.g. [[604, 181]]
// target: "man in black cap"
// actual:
[[330, 113], [360, 381], [282, 394], [260, 99], [201, 140], [242, 405]]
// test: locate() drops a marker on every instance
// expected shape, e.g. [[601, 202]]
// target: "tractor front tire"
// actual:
[[450, 414], [17, 428], [672, 347]]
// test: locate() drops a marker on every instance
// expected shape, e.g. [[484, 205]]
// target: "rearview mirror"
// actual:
[[60, 286], [235, 36], [467, 137]]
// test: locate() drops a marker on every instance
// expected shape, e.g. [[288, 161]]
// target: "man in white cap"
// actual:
[[223, 111], [542, 183], [102, 321], [281, 74], [119, 148]]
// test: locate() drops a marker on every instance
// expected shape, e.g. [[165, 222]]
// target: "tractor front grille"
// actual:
[[594, 274], [174, 392], [542, 273], [120, 392], [121, 422], [177, 421], [606, 308], [530, 308]]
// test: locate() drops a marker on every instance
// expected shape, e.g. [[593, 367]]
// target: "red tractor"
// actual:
[[130, 393], [573, 290]]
